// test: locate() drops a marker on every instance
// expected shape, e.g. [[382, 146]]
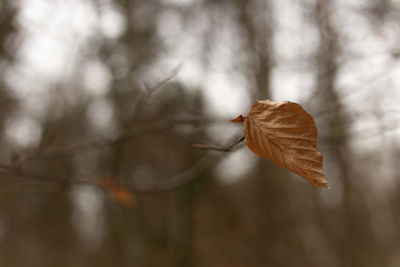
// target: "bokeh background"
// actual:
[[118, 90]]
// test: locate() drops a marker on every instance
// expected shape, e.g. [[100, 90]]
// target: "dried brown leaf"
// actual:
[[119, 193], [286, 134], [123, 195]]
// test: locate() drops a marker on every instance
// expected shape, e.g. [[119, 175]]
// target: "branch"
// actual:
[[149, 92], [178, 180], [230, 148], [91, 146], [57, 183], [122, 138]]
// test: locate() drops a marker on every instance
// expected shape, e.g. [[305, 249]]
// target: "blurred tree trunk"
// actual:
[[266, 195], [347, 237]]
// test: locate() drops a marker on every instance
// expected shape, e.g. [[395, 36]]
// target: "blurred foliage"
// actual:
[[96, 106]]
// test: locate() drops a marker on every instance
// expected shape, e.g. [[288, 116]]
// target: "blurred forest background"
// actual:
[[94, 91]]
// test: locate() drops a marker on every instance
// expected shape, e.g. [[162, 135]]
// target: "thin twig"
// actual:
[[71, 151], [149, 92], [93, 146], [159, 186], [230, 148], [122, 138], [367, 85], [178, 180]]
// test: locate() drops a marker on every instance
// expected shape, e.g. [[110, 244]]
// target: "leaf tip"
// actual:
[[321, 183], [239, 119]]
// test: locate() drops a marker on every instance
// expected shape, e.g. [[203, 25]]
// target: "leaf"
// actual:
[[119, 193], [286, 134], [239, 119], [123, 195]]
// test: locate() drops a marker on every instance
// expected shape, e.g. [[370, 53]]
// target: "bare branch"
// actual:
[[122, 138], [231, 147], [71, 151], [54, 183], [180, 179], [92, 146], [151, 90]]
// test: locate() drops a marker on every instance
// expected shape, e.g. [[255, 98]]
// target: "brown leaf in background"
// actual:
[[123, 195], [119, 193], [286, 134]]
